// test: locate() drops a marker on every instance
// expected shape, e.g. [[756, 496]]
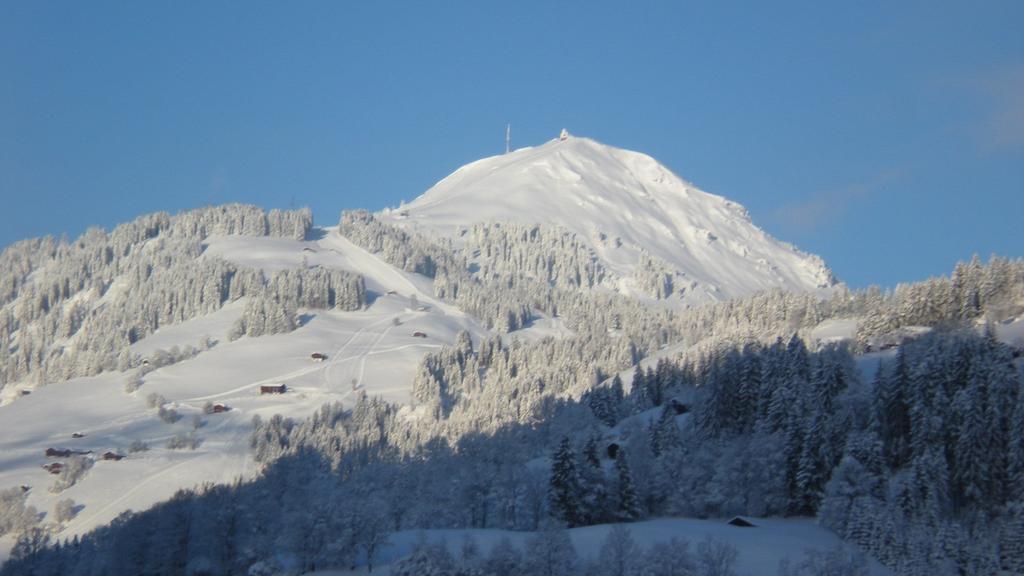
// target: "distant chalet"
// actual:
[[278, 389], [65, 452], [54, 468], [741, 522]]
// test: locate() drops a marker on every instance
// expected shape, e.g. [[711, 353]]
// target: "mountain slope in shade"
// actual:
[[622, 203]]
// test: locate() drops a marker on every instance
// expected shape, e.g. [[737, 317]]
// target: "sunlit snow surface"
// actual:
[[618, 201], [366, 348]]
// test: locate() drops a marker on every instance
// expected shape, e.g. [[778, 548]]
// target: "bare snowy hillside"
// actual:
[[637, 216]]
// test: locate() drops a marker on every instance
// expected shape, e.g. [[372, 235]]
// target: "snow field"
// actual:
[[373, 348]]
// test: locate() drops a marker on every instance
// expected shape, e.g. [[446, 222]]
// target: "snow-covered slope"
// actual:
[[371, 351], [760, 549], [621, 203]]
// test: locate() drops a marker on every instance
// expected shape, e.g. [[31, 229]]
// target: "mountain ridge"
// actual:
[[625, 205]]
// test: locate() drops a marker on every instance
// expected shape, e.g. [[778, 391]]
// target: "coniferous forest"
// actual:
[[907, 444]]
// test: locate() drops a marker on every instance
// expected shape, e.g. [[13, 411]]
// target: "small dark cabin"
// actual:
[[613, 450], [112, 456], [278, 389], [742, 523], [679, 407], [318, 356], [419, 334]]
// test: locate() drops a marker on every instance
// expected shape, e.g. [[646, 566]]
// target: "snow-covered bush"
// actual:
[[138, 446], [65, 510], [184, 441], [836, 561], [132, 383], [716, 558], [672, 558], [427, 559], [73, 470], [154, 400], [168, 415], [619, 555], [15, 516]]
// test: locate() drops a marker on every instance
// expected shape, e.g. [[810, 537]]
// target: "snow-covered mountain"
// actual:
[[622, 204], [452, 383]]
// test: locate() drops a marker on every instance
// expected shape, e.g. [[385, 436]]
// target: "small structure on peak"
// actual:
[[564, 135]]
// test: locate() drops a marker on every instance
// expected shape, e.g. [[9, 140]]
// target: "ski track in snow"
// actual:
[[88, 520], [273, 380]]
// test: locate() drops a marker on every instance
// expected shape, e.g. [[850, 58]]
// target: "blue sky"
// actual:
[[887, 137]]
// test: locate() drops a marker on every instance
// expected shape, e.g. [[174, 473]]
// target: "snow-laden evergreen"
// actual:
[[72, 309], [739, 414]]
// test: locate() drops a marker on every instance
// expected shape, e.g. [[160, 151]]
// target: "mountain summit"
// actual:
[[630, 209]]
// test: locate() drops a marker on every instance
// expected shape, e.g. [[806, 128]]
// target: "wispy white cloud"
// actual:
[[828, 206], [999, 120], [1005, 125]]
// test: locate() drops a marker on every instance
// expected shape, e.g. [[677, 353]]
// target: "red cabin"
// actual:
[[219, 408], [278, 389], [54, 468]]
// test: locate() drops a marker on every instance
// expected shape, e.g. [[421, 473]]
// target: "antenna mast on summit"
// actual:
[[508, 138]]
